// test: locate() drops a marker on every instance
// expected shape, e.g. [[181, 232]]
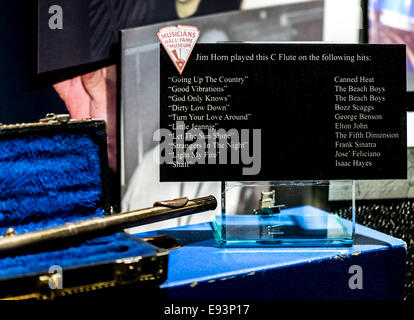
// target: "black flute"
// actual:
[[82, 230]]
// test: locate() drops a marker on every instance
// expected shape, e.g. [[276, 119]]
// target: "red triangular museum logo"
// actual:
[[179, 42]]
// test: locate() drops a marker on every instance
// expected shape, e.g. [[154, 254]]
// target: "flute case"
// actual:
[[53, 172]]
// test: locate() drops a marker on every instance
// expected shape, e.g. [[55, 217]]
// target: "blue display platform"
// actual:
[[202, 270]]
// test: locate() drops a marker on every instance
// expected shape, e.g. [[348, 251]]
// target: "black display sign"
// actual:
[[261, 112]]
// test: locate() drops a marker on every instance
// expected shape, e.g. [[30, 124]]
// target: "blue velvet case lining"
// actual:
[[46, 181], [98, 250]]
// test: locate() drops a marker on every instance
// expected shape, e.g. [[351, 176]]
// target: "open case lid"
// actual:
[[52, 172]]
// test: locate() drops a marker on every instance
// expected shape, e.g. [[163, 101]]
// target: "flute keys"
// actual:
[[9, 232]]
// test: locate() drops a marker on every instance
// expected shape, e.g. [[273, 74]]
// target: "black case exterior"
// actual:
[[146, 272]]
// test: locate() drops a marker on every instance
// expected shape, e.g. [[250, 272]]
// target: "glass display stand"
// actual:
[[285, 213]]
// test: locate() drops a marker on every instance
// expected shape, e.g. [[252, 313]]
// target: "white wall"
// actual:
[[341, 21], [253, 4]]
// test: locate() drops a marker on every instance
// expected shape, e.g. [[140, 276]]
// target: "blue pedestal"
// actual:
[[201, 270]]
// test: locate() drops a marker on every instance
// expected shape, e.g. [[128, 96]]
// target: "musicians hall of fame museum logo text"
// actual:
[[179, 42]]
